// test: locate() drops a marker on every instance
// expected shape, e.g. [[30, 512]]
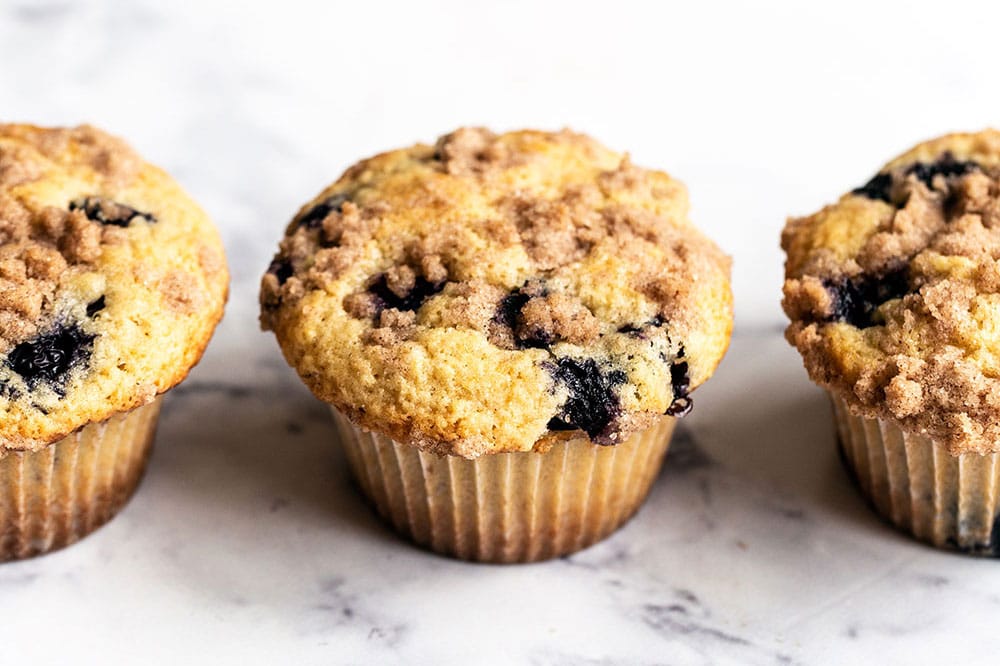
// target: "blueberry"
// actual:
[[946, 166], [49, 357], [509, 315], [880, 187], [314, 217], [109, 212], [637, 329], [95, 306], [593, 403], [680, 380], [510, 308], [387, 298], [855, 300], [534, 339], [877, 188], [281, 267]]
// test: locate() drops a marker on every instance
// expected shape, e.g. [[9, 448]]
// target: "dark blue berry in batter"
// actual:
[[680, 381], [50, 357], [387, 298], [109, 212], [281, 268], [878, 188], [855, 300], [509, 315], [510, 308], [946, 166], [95, 306], [313, 217], [637, 329], [593, 402]]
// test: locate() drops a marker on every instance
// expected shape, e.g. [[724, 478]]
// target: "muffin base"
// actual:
[[913, 482], [55, 496], [506, 507]]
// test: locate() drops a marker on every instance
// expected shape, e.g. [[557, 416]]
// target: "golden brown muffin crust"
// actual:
[[492, 291], [894, 292]]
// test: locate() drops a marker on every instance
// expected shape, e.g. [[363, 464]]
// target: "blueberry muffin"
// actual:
[[506, 326], [111, 283], [894, 299]]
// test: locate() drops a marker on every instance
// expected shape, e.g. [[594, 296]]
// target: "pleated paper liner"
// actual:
[[913, 482], [55, 496], [506, 507]]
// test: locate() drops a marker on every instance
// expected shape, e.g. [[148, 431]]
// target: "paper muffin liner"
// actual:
[[55, 496], [912, 481], [506, 507]]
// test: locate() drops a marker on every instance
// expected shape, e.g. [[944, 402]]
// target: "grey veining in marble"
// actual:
[[247, 543]]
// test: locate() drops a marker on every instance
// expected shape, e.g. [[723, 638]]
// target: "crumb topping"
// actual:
[[494, 290], [41, 250], [894, 292]]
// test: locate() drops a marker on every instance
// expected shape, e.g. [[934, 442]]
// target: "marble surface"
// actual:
[[246, 542]]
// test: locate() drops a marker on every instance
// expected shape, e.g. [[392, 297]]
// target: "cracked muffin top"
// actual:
[[498, 292], [111, 282], [894, 292]]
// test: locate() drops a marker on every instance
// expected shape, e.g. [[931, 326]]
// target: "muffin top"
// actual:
[[894, 292], [499, 292], [111, 282]]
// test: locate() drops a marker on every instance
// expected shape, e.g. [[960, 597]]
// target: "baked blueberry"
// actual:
[[410, 302], [281, 268], [856, 299], [680, 382], [510, 309], [879, 187], [525, 335], [314, 217], [638, 329], [946, 166], [592, 403], [96, 306], [50, 357], [110, 212]]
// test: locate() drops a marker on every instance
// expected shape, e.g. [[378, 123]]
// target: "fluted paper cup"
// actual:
[[506, 507], [57, 495], [913, 482]]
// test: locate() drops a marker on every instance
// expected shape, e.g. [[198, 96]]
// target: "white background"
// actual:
[[763, 109]]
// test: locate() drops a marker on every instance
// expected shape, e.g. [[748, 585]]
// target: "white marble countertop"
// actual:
[[246, 543]]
